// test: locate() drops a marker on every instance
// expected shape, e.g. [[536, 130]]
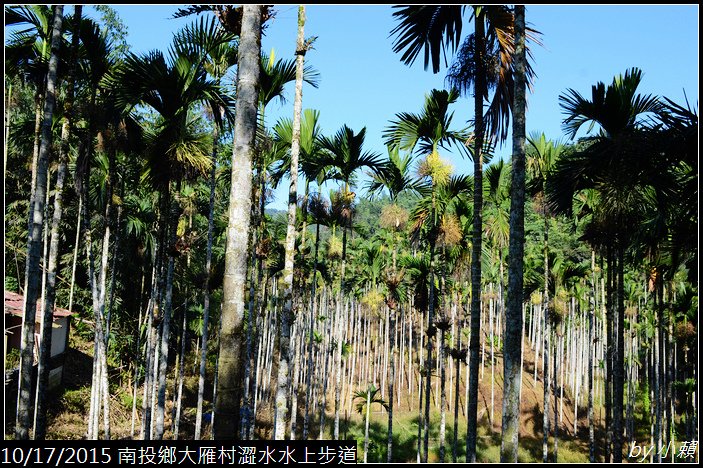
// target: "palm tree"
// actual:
[[607, 166], [425, 133], [273, 76], [50, 289], [395, 178], [430, 129], [344, 152], [215, 46], [512, 349], [543, 155], [288, 314], [34, 241], [27, 55], [230, 366], [366, 399], [311, 167], [432, 221], [319, 208], [484, 61], [108, 120], [497, 231], [171, 87]]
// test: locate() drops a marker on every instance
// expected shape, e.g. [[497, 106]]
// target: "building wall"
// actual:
[[59, 343], [59, 333]]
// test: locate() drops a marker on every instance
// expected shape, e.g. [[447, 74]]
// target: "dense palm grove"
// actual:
[[136, 189]]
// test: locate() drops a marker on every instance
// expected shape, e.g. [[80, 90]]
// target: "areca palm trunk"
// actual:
[[311, 369], [658, 363], [591, 433], [34, 242], [206, 288], [8, 116], [338, 351], [428, 364], [512, 348], [137, 363], [38, 108], [230, 365], [609, 356], [391, 379], [177, 404], [419, 410], [298, 337], [457, 370], [479, 92], [75, 253], [546, 332], [339, 324], [325, 379], [150, 345], [288, 314], [255, 264], [443, 395], [618, 372], [50, 289], [546, 382], [39, 104], [171, 224], [558, 346], [99, 385]]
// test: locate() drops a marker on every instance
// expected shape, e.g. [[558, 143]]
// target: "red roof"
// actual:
[[14, 304]]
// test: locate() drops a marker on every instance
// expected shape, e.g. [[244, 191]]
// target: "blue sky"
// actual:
[[364, 84]]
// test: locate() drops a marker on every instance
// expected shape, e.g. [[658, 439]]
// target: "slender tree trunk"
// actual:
[[97, 286], [658, 365], [101, 322], [297, 336], [366, 428], [512, 343], [311, 368], [391, 382], [39, 104], [137, 365], [176, 419], [339, 325], [152, 313], [171, 223], [474, 345], [254, 262], [428, 363], [8, 116], [50, 290], [591, 350], [325, 373], [457, 371], [545, 380], [609, 356], [41, 360], [288, 314], [443, 395], [206, 290], [75, 254], [557, 363], [618, 374], [492, 325], [230, 364], [34, 241], [419, 412], [338, 352]]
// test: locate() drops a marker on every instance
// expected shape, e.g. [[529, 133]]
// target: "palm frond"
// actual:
[[434, 28]]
